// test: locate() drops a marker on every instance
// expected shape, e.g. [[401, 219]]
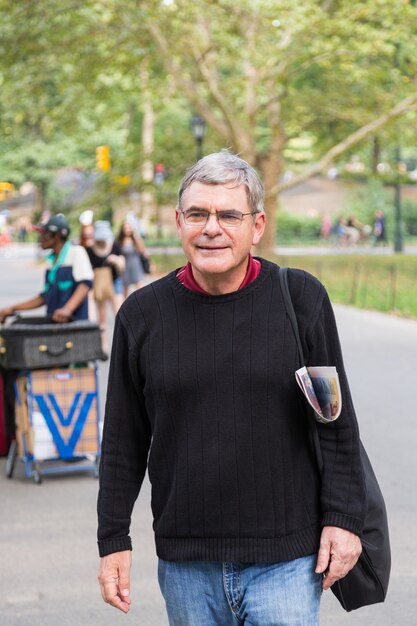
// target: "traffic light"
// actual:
[[103, 158], [6, 191]]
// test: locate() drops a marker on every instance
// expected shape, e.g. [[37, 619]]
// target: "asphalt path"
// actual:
[[48, 553]]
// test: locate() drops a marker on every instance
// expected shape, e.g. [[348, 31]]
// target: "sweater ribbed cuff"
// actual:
[[343, 521], [116, 544]]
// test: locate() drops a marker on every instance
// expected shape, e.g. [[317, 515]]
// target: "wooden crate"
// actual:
[[56, 413]]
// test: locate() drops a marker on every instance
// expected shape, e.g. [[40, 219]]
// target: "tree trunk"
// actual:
[[270, 169], [148, 128], [40, 194], [376, 154], [266, 246]]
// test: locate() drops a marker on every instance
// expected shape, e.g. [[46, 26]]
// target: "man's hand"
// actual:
[[338, 553], [112, 259], [114, 579], [62, 315], [6, 313]]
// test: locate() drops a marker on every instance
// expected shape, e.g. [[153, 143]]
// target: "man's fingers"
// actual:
[[114, 579], [124, 588], [110, 593], [323, 557], [337, 570], [342, 549]]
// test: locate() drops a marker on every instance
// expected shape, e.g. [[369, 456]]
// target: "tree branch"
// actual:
[[186, 84], [208, 68], [250, 73], [279, 69], [406, 105], [327, 5], [209, 75], [273, 67]]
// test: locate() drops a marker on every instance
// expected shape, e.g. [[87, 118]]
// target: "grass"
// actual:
[[386, 284]]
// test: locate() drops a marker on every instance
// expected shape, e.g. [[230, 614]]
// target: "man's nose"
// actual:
[[212, 226]]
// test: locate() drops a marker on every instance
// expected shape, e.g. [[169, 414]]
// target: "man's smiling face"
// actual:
[[211, 248]]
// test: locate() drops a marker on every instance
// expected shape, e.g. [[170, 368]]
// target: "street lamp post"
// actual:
[[398, 237], [198, 127]]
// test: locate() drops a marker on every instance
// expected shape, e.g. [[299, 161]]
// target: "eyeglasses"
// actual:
[[226, 219]]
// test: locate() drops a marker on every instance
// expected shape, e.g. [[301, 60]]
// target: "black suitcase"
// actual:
[[38, 343]]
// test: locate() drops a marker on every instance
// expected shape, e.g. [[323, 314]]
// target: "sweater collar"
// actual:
[[186, 277]]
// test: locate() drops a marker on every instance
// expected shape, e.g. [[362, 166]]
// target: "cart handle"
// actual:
[[58, 351]]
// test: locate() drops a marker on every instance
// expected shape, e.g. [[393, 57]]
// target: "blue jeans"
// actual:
[[199, 593]]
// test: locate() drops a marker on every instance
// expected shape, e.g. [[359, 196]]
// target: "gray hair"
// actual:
[[221, 168]]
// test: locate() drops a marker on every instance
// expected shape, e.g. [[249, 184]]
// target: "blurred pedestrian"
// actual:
[[352, 231], [356, 231], [5, 236], [108, 264], [325, 226], [68, 278], [86, 240], [380, 234], [133, 249], [86, 237], [339, 230], [23, 227]]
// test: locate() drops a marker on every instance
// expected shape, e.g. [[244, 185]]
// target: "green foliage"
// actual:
[[364, 200], [409, 214], [263, 74], [381, 283], [297, 228]]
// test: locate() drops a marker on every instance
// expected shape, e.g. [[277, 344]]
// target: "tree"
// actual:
[[261, 72], [56, 102]]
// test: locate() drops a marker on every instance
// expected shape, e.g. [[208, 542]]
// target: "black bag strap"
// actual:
[[289, 307]]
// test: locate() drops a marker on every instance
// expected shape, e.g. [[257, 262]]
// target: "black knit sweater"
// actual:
[[202, 392]]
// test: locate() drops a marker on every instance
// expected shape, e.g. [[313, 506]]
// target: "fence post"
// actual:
[[393, 284], [355, 283], [319, 266]]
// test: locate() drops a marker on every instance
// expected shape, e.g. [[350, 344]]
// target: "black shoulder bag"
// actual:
[[367, 582]]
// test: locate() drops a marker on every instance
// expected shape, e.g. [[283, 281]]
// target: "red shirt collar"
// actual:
[[186, 277]]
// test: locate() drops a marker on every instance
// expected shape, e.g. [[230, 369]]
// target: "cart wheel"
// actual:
[[11, 459], [37, 477]]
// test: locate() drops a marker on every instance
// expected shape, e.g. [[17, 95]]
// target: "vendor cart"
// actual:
[[57, 422], [56, 395]]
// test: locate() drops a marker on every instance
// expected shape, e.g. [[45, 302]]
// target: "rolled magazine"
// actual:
[[321, 387]]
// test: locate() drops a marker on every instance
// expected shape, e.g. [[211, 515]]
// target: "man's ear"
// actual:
[[259, 227], [177, 219]]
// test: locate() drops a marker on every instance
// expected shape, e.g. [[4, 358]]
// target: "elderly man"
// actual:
[[202, 393]]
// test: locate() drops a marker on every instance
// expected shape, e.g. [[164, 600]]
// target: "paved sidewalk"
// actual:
[[19, 252]]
